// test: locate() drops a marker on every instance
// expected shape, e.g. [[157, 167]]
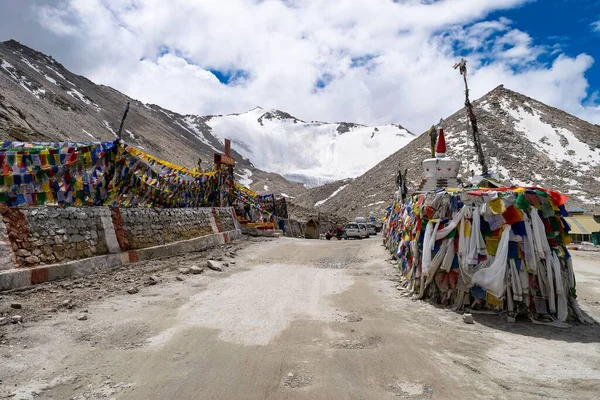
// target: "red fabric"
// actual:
[[547, 226], [512, 215], [429, 211], [453, 278], [558, 198], [440, 147]]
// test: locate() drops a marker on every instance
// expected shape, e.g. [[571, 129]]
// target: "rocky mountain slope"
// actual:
[[40, 100], [524, 140]]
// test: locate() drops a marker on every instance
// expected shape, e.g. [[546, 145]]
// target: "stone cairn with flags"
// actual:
[[501, 248]]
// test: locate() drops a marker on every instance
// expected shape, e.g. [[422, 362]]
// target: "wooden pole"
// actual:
[[123, 121], [462, 66]]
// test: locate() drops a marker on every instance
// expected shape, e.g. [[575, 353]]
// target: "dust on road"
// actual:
[[292, 319]]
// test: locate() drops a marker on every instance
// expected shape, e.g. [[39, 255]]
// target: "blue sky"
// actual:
[[567, 23], [365, 61]]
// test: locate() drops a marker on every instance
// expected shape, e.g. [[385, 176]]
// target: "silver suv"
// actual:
[[371, 229], [355, 231]]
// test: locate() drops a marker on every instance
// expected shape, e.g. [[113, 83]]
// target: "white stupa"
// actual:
[[440, 172]]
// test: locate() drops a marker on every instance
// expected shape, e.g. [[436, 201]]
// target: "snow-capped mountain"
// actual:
[[309, 152], [41, 100], [524, 141]]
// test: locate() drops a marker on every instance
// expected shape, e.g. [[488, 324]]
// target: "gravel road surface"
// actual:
[[287, 319]]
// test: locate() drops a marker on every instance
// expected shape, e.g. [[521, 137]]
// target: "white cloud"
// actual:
[[596, 26], [383, 61], [56, 19]]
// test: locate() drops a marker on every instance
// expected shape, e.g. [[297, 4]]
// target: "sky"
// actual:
[[365, 61]]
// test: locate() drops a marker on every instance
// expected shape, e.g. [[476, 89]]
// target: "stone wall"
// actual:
[[44, 235], [35, 236], [294, 228], [225, 217], [6, 256], [147, 227]]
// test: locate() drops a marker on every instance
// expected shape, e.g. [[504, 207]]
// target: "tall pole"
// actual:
[[123, 120], [462, 67]]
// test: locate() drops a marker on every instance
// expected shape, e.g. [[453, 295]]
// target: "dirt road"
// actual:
[[292, 319]]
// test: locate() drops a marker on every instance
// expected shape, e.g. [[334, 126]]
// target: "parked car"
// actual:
[[352, 231], [371, 229], [364, 231]]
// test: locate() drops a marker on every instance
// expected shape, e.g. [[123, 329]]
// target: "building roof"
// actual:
[[583, 224]]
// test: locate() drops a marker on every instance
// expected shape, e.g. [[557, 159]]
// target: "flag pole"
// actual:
[[462, 67]]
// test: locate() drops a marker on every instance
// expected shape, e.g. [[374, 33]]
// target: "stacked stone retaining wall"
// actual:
[[35, 236], [294, 228], [157, 226], [48, 235]]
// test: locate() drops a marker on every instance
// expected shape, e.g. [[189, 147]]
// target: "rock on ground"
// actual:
[[214, 265], [196, 270]]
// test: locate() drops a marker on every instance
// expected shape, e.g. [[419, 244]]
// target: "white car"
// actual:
[[364, 231], [352, 231]]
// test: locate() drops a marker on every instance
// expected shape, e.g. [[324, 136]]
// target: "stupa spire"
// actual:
[[440, 147]]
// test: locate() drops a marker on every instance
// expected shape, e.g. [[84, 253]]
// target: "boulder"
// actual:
[[196, 270], [468, 318], [214, 265]]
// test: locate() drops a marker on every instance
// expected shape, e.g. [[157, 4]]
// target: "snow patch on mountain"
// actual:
[[33, 88], [308, 152], [30, 65], [107, 126], [57, 73], [374, 204], [244, 178], [321, 202], [51, 80], [87, 133], [84, 99], [560, 144], [189, 122]]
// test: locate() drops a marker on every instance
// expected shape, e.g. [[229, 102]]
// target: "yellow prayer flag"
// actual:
[[497, 206], [493, 301]]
